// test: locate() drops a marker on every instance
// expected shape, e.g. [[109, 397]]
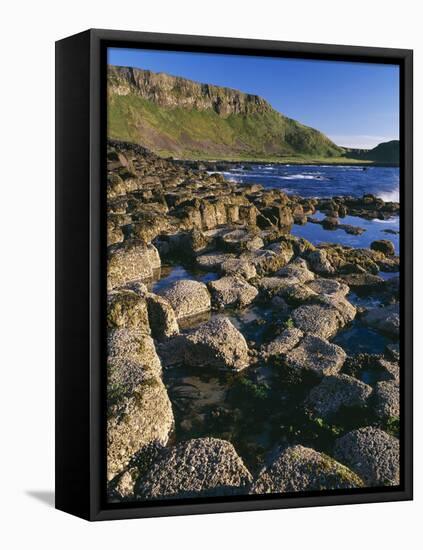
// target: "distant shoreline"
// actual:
[[296, 162]]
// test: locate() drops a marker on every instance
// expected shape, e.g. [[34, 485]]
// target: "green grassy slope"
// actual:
[[191, 133], [385, 153]]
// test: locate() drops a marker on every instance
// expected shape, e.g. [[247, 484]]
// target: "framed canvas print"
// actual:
[[234, 274]]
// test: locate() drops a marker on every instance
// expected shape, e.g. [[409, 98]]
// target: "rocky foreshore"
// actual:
[[237, 239]]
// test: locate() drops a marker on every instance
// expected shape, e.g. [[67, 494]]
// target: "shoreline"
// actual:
[[218, 314], [298, 161], [290, 162]]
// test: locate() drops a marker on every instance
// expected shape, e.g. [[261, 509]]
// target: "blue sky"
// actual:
[[355, 104]]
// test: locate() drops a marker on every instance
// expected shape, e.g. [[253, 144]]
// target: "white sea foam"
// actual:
[[302, 177], [392, 221], [389, 196]]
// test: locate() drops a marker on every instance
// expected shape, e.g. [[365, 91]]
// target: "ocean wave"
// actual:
[[302, 177], [389, 196], [392, 221]]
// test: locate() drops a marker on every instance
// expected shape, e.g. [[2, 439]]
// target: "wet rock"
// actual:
[[161, 317], [278, 303], [386, 400], [330, 222], [372, 453], [385, 246], [356, 260], [287, 340], [335, 392], [389, 265], [126, 308], [299, 468], [238, 267], [351, 229], [358, 364], [317, 356], [319, 262], [320, 320], [363, 282], [131, 261], [187, 298], [217, 344], [213, 260], [231, 291], [385, 319], [197, 467], [297, 268]]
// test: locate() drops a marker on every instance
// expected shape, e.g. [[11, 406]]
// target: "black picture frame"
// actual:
[[81, 271]]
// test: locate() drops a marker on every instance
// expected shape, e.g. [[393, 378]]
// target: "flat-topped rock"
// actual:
[[319, 262], [125, 345], [136, 420], [213, 260], [139, 411], [281, 345], [197, 467], [265, 261], [131, 261], [297, 294], [316, 355], [329, 287], [187, 298], [363, 282], [127, 309], [345, 310], [299, 468], [238, 240], [385, 246], [320, 320], [372, 453], [386, 400], [236, 266], [298, 268], [335, 392], [217, 344], [284, 252], [231, 291], [383, 369], [274, 286]]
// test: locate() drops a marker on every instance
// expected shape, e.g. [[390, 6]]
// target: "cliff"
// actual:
[[175, 116]]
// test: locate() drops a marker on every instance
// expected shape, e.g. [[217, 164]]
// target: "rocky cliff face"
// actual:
[[173, 91], [174, 116]]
